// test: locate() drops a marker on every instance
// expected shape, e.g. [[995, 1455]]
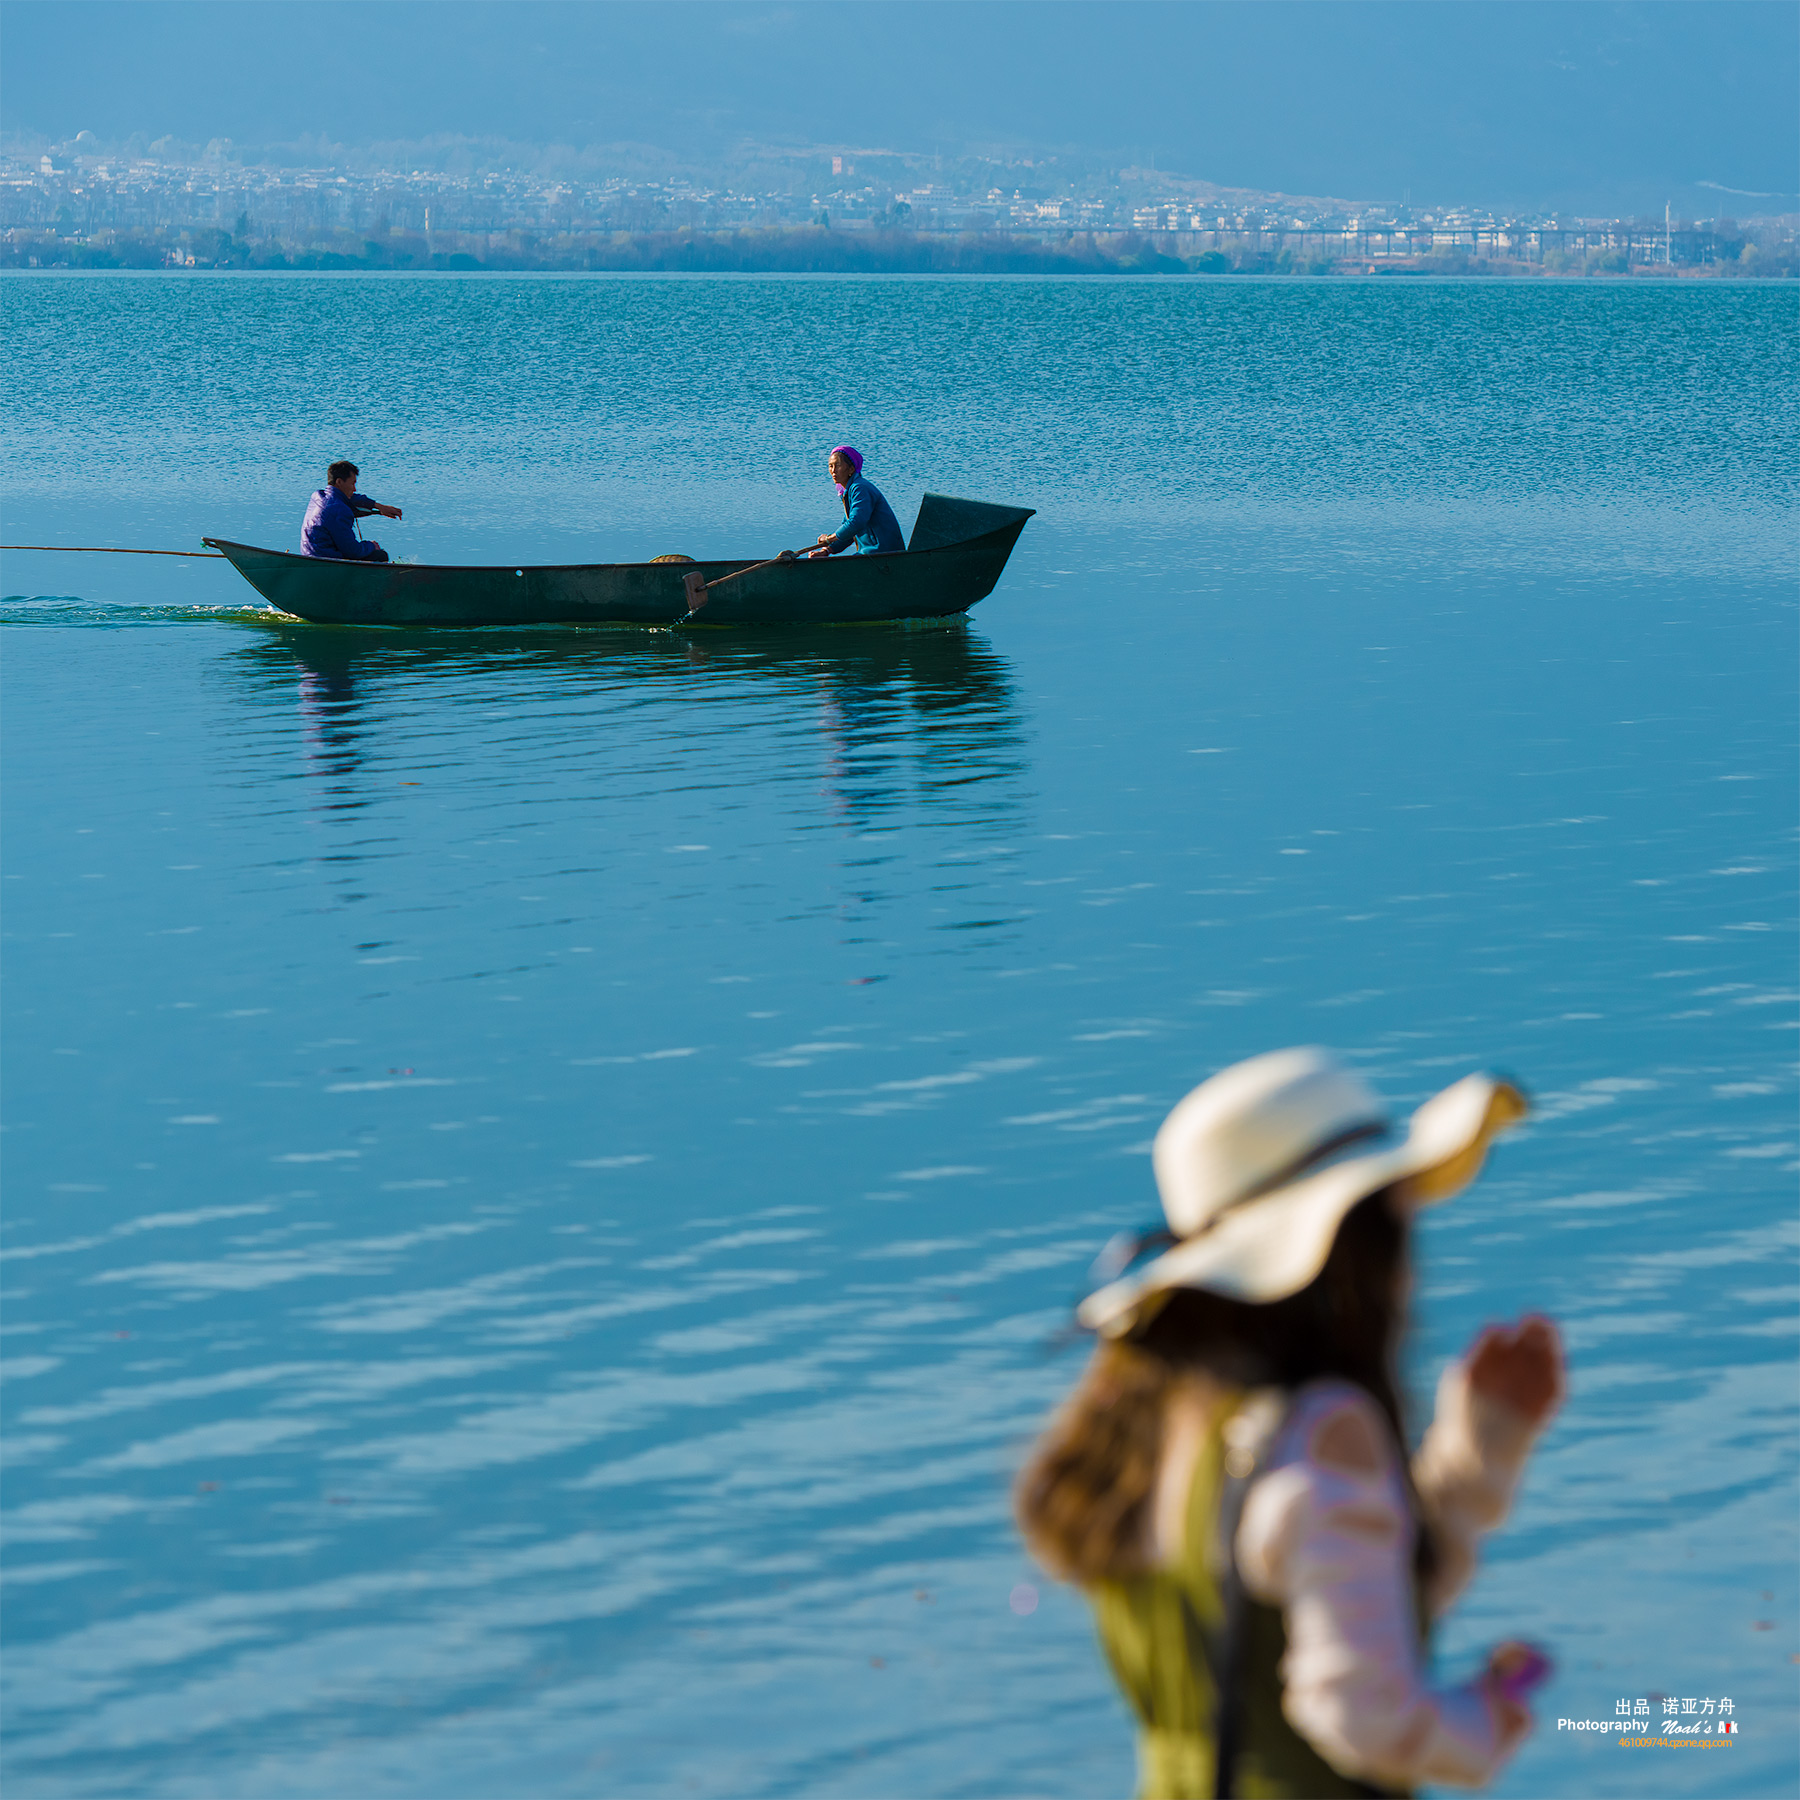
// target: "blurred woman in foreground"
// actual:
[[1228, 1482]]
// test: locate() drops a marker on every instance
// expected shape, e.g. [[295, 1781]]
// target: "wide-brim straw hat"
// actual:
[[1258, 1167]]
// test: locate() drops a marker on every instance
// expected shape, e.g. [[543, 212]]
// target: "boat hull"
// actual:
[[932, 578]]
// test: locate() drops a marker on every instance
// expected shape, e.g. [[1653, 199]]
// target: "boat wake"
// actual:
[[73, 609]]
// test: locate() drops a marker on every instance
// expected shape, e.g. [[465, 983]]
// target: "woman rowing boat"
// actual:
[[869, 528]]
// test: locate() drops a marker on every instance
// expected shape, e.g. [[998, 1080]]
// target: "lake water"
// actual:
[[544, 1169]]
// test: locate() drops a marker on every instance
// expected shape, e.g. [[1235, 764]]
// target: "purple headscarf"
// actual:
[[852, 457]]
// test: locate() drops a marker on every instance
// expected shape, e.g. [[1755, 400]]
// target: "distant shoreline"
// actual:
[[821, 250]]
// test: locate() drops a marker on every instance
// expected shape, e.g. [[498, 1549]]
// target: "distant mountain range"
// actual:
[[752, 166]]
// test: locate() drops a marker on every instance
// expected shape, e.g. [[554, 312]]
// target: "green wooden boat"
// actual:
[[957, 551]]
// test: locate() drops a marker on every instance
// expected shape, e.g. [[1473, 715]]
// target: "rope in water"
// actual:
[[108, 550]]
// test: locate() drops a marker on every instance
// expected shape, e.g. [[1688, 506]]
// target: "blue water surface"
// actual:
[[544, 1169]]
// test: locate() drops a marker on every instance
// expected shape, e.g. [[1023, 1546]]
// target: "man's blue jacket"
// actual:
[[869, 522], [330, 528]]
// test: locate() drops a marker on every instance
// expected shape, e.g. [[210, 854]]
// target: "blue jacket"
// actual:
[[869, 522], [330, 528]]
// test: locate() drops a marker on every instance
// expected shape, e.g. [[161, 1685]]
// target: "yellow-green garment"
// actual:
[[1150, 1628]]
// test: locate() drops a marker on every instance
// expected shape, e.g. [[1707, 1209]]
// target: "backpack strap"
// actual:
[[1222, 1650], [1228, 1670]]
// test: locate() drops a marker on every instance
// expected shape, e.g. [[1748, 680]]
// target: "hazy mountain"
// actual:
[[1597, 107]]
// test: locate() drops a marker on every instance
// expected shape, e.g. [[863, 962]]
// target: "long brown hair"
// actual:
[[1083, 1499]]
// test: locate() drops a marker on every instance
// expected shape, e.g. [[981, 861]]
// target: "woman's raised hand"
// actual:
[[1513, 1671], [1521, 1366]]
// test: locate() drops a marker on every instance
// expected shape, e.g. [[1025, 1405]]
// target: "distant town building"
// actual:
[[83, 202]]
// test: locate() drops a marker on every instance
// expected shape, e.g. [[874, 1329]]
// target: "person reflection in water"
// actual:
[[331, 515], [1229, 1482], [869, 528]]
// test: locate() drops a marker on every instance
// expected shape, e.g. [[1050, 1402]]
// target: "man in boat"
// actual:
[[331, 515], [870, 528]]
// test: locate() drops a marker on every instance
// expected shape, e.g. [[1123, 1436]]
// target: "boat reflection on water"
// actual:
[[328, 719], [861, 732]]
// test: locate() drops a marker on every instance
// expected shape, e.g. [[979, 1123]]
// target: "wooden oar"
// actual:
[[697, 590], [108, 550]]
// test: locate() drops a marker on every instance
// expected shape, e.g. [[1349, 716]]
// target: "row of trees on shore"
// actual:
[[817, 249]]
